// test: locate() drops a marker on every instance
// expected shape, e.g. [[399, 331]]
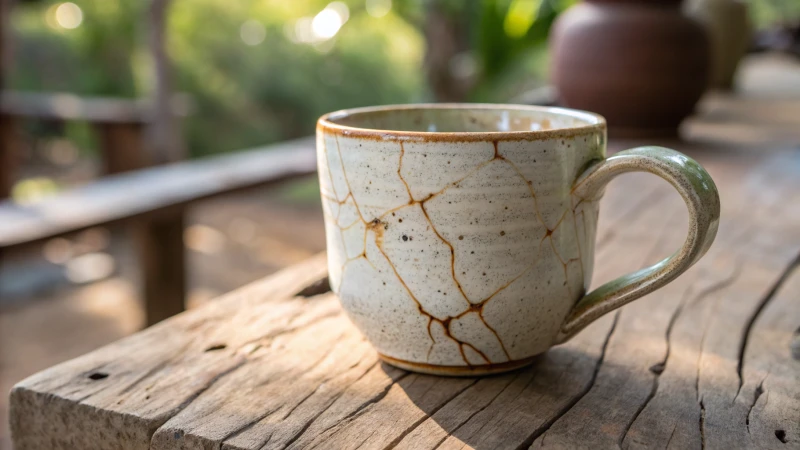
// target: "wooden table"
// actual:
[[703, 363]]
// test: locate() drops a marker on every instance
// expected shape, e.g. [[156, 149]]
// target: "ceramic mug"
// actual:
[[461, 237]]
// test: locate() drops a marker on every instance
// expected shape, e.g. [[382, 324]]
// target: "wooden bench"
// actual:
[[153, 200], [119, 123], [706, 362]]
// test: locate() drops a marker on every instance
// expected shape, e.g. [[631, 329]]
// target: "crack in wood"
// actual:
[[787, 272], [759, 390], [272, 411], [251, 424], [153, 370], [358, 411], [641, 408], [161, 419], [661, 366], [276, 375], [318, 287], [81, 399], [702, 425], [524, 388], [276, 333], [671, 435], [100, 388], [427, 416], [542, 430], [481, 409], [330, 402], [361, 444]]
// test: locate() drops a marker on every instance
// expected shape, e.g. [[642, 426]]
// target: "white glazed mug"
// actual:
[[461, 237]]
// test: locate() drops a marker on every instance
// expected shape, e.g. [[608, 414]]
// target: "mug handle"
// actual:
[[701, 197]]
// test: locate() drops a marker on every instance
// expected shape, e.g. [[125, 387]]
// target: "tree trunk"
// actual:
[[445, 38], [164, 139]]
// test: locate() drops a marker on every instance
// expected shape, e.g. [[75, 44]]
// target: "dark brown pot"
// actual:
[[640, 63]]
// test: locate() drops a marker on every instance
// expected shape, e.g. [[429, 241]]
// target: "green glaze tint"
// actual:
[[702, 199]]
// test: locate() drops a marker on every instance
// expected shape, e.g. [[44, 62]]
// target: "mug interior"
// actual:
[[461, 118]]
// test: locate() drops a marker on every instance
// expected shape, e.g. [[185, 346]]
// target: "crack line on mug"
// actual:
[[377, 225]]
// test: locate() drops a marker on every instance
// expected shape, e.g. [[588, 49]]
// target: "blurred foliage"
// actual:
[[253, 82], [509, 29], [244, 95], [278, 88], [766, 13], [90, 59], [511, 45]]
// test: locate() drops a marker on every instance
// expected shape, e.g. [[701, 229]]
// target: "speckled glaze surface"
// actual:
[[461, 237]]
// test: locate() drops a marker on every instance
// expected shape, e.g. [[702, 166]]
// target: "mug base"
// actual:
[[459, 371]]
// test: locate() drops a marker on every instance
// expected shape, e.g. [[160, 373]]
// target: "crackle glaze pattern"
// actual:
[[461, 251], [457, 253]]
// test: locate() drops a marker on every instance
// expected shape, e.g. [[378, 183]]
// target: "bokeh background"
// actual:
[[245, 73]]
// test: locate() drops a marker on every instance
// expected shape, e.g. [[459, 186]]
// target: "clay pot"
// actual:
[[728, 26], [642, 64]]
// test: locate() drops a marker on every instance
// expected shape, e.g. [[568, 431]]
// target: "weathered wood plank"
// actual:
[[637, 402], [124, 196], [773, 417], [117, 396], [694, 401], [263, 368]]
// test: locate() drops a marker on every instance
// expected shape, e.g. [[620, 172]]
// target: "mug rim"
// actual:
[[593, 123]]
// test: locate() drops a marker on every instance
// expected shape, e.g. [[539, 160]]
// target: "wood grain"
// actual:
[[675, 354], [159, 371], [703, 363]]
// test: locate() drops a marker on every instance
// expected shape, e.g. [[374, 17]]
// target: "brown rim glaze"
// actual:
[[459, 371], [594, 123]]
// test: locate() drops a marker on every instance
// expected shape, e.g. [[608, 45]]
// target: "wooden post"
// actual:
[[160, 239], [122, 146], [159, 243], [165, 141], [7, 159], [445, 37], [8, 155]]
